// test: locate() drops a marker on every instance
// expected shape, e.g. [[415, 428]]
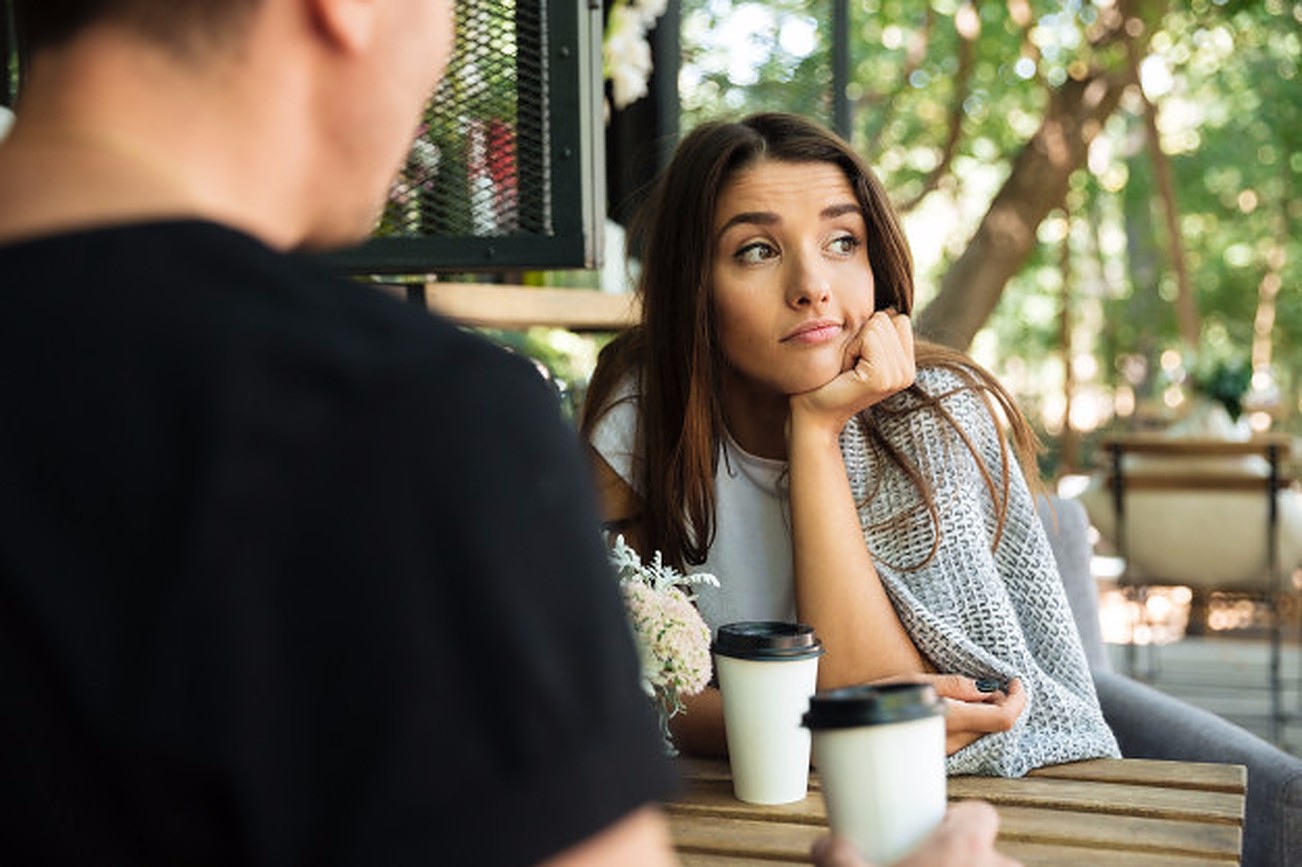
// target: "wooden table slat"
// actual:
[[712, 859], [754, 838], [715, 798], [1046, 855], [1190, 775], [1207, 776], [1030, 854], [1092, 797], [1124, 833]]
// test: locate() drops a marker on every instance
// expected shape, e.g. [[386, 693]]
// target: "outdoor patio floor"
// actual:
[[1227, 675]]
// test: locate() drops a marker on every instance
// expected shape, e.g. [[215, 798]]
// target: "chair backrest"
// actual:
[[1199, 512]]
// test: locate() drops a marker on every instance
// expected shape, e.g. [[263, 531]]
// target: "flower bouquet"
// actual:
[[673, 641]]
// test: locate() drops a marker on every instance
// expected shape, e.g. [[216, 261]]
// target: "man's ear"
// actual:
[[348, 24]]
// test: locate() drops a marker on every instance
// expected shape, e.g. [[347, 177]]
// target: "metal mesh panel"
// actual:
[[507, 170], [479, 166]]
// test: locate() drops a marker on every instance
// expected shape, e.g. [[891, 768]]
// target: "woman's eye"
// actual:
[[755, 253], [845, 245]]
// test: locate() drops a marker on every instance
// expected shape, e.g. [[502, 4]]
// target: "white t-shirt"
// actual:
[[751, 554]]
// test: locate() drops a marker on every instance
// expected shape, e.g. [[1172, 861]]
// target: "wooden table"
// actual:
[[1132, 812]]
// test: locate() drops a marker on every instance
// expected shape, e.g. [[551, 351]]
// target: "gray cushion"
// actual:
[[1068, 528]]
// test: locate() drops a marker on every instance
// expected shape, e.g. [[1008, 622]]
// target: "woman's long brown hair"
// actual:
[[674, 352]]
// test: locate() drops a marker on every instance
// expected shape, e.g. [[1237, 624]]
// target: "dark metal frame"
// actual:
[[642, 137], [841, 119], [576, 156]]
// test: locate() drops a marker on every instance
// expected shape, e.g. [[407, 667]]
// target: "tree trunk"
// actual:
[[1037, 185]]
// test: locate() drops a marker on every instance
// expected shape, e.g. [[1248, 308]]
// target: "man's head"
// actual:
[[286, 117], [179, 24]]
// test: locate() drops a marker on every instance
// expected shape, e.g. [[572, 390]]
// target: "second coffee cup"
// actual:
[[767, 671], [881, 757]]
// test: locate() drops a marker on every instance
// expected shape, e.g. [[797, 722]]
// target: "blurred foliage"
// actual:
[[742, 57], [1223, 379], [1226, 81], [564, 358]]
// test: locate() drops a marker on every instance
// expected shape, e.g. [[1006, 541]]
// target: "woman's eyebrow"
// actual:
[[758, 218], [833, 211], [768, 218]]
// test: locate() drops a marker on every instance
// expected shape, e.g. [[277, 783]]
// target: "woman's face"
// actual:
[[791, 279]]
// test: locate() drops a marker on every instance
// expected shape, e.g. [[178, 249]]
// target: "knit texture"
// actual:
[[976, 607]]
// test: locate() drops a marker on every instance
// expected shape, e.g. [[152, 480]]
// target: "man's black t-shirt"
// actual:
[[291, 572]]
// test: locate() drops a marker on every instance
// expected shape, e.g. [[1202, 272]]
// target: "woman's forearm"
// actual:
[[837, 588], [698, 730]]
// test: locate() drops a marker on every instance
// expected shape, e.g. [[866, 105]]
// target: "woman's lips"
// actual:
[[818, 331]]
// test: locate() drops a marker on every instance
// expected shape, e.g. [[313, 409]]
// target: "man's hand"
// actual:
[[964, 838]]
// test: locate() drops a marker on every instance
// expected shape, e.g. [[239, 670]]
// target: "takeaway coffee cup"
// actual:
[[881, 756], [767, 671]]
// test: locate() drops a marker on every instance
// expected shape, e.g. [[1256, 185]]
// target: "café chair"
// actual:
[[1208, 514], [1149, 724]]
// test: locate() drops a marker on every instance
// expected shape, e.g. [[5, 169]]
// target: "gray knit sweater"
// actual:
[[976, 608]]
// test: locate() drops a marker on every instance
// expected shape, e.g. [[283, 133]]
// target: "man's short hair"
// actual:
[[182, 25]]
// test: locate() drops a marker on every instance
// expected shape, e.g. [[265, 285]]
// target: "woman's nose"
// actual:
[[808, 284]]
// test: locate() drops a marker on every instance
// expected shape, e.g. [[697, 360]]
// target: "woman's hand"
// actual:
[[879, 362], [971, 712]]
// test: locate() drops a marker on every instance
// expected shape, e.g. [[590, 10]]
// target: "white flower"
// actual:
[[629, 75], [626, 53], [672, 639], [651, 9]]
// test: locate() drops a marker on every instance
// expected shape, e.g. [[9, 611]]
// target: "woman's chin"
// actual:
[[807, 384]]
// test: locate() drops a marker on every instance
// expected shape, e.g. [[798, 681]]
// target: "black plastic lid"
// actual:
[[766, 639], [854, 706]]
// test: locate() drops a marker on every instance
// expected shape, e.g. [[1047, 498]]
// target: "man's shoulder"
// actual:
[[197, 294]]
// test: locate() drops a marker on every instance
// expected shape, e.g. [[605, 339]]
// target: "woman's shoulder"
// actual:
[[614, 433], [948, 384], [945, 396], [938, 379], [620, 401]]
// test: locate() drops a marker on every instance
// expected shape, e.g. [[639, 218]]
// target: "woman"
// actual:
[[772, 421]]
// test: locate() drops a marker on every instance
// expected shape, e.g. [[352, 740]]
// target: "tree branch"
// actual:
[[913, 59], [1037, 184], [962, 87]]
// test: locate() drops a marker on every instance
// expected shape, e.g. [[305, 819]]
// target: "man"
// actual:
[[290, 572]]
